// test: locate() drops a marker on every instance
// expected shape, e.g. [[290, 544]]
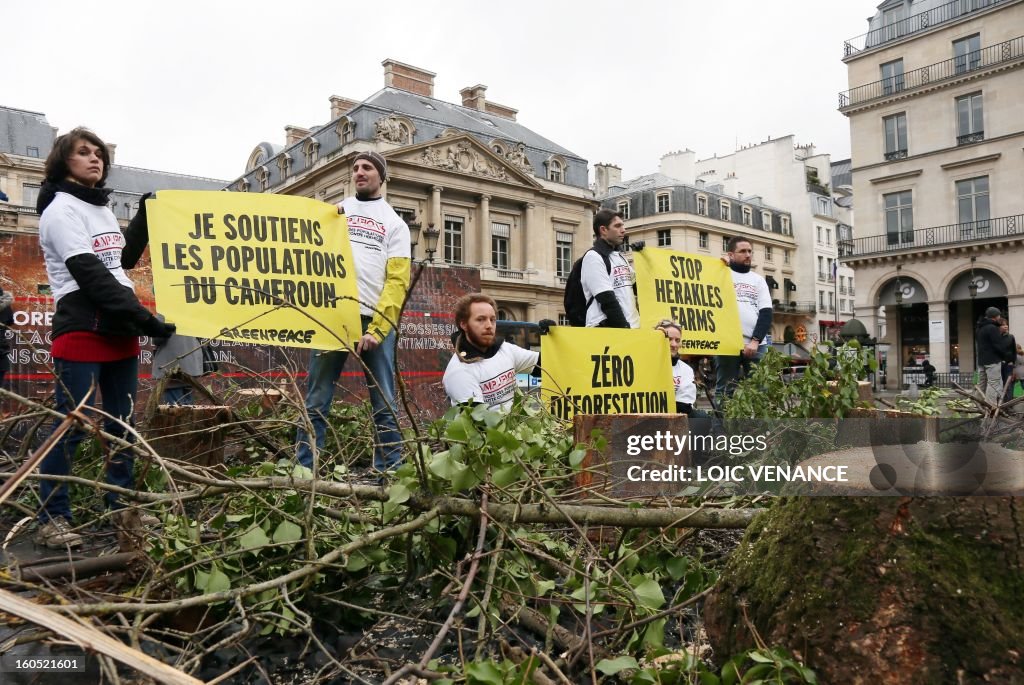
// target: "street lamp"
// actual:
[[972, 287], [430, 236], [414, 234]]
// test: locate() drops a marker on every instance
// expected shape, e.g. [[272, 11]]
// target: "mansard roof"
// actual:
[[22, 131]]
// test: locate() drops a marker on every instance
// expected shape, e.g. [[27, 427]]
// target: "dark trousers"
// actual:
[[116, 383]]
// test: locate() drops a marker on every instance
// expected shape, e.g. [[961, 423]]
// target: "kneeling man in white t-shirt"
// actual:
[[483, 369]]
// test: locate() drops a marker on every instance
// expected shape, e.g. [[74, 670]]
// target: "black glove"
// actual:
[[638, 246], [544, 324], [155, 328]]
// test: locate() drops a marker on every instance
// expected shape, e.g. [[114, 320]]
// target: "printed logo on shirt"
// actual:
[[677, 381], [363, 229], [746, 294], [622, 276], [499, 389], [108, 247]]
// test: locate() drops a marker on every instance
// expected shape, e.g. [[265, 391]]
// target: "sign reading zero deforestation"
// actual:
[[696, 292], [606, 371], [258, 268]]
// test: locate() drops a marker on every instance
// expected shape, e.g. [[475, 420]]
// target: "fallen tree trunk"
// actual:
[[874, 589]]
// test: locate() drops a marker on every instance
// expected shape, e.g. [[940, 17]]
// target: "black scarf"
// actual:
[[94, 196], [739, 268], [469, 352]]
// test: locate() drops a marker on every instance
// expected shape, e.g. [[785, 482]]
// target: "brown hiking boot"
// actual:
[[56, 533]]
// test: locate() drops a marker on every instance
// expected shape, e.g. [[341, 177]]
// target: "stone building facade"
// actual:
[[936, 138], [503, 198]]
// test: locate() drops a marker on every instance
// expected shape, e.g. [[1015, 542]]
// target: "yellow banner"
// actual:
[[606, 371], [694, 291], [253, 267]]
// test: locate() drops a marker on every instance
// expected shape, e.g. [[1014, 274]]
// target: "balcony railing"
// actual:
[[794, 307], [915, 24], [1000, 53], [969, 138], [989, 229], [895, 154], [514, 275]]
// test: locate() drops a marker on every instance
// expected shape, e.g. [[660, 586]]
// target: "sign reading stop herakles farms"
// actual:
[[260, 268]]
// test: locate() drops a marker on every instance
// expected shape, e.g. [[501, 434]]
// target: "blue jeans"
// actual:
[[730, 368], [116, 382], [324, 371], [180, 395]]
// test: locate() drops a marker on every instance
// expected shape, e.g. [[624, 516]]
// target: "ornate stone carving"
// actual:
[[517, 157], [390, 129], [464, 158]]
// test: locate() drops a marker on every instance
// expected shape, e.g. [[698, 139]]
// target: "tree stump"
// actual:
[[193, 433], [881, 589]]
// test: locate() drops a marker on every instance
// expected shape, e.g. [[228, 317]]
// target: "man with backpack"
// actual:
[[600, 290]]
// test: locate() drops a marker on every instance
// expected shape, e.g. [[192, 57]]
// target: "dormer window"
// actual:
[[663, 203], [702, 205], [724, 208], [346, 131], [311, 151], [556, 169], [263, 178]]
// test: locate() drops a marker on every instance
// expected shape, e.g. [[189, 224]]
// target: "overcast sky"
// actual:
[[192, 87]]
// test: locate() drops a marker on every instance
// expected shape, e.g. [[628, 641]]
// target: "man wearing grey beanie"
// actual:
[[381, 249]]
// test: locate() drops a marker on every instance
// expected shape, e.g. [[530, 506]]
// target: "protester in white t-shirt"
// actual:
[[755, 308], [682, 374], [607, 277], [483, 369], [382, 252]]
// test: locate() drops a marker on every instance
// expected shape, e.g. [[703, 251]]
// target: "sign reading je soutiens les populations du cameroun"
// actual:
[[257, 268]]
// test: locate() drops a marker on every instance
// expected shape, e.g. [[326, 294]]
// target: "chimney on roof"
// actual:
[[606, 176], [680, 165], [111, 149], [474, 97], [408, 78], [293, 134], [340, 105]]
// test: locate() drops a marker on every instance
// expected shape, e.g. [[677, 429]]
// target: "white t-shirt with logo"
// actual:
[[682, 379], [489, 381], [752, 295], [70, 227], [377, 234], [595, 278]]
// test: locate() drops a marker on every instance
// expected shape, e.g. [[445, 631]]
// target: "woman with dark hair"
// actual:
[[98, 318]]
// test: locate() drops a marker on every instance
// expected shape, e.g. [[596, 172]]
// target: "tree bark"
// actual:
[[882, 589]]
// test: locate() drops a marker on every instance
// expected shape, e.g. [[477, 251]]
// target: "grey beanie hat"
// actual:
[[377, 160]]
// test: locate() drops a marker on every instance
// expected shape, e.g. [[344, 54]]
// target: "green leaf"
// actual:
[[465, 478], [759, 657], [576, 457], [254, 537], [676, 567], [506, 476], [357, 562], [483, 673], [287, 531], [398, 493], [613, 666], [217, 582], [654, 636], [442, 465], [648, 593]]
